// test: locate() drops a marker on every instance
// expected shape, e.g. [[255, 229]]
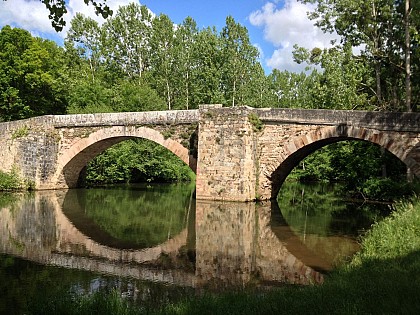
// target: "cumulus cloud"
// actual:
[[285, 26], [33, 16]]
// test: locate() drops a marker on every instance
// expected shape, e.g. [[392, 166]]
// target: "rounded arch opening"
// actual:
[[317, 140], [74, 160]]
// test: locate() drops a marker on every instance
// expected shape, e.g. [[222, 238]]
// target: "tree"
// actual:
[[84, 39], [384, 28], [32, 76], [126, 40], [186, 62], [407, 53], [258, 92], [239, 59], [210, 64], [162, 48], [57, 8], [339, 85], [292, 90]]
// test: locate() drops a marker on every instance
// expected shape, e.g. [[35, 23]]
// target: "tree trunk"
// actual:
[[407, 57], [378, 81]]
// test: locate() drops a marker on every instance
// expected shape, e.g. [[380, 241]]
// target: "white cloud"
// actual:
[[29, 15], [33, 16], [286, 26]]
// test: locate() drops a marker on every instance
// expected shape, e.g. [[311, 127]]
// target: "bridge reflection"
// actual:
[[230, 244]]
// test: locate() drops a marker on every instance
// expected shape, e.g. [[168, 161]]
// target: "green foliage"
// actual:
[[239, 57], [394, 237], [366, 170], [137, 161], [11, 181], [379, 27], [57, 9], [183, 66], [338, 86], [255, 121], [20, 132], [385, 189], [32, 78]]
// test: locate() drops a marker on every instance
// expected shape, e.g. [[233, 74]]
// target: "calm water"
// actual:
[[154, 244]]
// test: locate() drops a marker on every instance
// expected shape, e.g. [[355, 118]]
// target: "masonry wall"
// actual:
[[33, 148], [227, 163], [29, 147]]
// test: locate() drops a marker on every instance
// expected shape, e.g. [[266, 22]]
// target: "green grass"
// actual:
[[383, 278]]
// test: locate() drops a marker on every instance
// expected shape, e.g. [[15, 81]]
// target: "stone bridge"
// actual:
[[238, 153]]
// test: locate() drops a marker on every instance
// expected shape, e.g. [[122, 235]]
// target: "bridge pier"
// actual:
[[227, 166]]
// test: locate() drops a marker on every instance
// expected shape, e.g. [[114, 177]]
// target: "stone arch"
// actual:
[[72, 160], [404, 148]]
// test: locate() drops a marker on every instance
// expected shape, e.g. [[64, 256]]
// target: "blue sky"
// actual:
[[274, 26], [214, 13]]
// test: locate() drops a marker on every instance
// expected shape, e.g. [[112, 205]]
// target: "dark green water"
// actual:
[[155, 243]]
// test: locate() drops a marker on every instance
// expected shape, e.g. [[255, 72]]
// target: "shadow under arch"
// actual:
[[73, 159], [309, 143]]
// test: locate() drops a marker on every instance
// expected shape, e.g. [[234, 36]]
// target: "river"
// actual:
[[156, 243]]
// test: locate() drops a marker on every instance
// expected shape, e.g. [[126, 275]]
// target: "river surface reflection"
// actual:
[[141, 238]]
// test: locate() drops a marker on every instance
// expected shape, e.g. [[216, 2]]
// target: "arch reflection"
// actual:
[[223, 245]]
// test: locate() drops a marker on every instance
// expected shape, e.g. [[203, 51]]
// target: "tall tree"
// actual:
[[383, 28], [84, 40], [186, 62], [339, 85], [292, 90], [258, 92], [32, 76], [210, 64], [162, 58], [125, 40], [240, 56], [407, 52]]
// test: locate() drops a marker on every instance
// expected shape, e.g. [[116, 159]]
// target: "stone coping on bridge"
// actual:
[[392, 121], [107, 119], [396, 121], [128, 118]]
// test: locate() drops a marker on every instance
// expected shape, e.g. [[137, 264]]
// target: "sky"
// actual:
[[274, 26]]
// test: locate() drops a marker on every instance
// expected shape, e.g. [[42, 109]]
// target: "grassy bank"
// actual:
[[383, 278]]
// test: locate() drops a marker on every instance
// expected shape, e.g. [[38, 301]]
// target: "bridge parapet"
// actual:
[[126, 118], [390, 121]]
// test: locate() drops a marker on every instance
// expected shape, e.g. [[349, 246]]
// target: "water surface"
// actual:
[[155, 243]]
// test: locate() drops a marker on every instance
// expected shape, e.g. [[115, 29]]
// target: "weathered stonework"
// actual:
[[54, 149], [291, 135], [226, 155], [243, 153]]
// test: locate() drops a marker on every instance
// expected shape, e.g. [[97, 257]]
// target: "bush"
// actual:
[[10, 181], [384, 189]]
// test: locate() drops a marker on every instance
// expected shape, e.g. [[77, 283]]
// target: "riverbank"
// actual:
[[383, 278]]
